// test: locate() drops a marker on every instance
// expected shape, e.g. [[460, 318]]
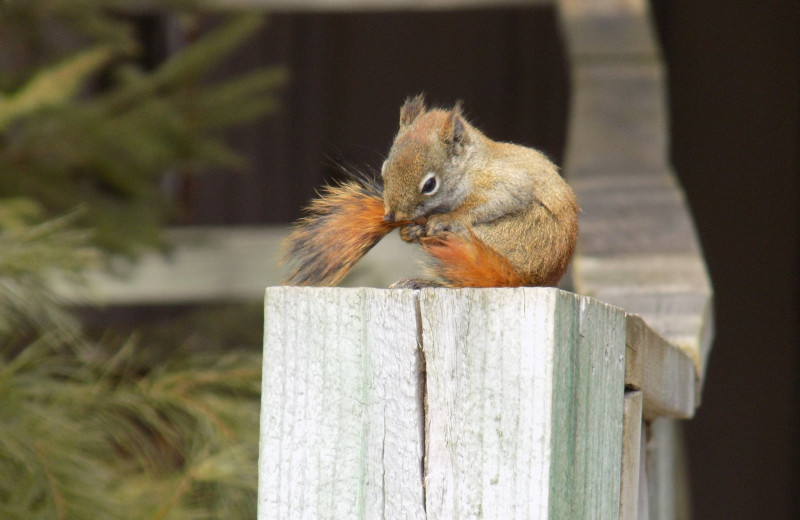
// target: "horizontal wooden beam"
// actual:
[[226, 264], [370, 5], [663, 374]]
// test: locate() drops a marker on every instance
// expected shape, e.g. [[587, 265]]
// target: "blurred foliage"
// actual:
[[29, 254], [153, 423], [148, 424], [85, 434], [92, 128]]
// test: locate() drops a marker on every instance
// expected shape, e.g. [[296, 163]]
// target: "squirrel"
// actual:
[[489, 214]]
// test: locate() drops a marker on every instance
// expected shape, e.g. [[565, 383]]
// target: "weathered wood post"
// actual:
[[511, 403], [471, 403]]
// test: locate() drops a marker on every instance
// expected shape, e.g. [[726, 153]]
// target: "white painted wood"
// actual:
[[524, 392], [525, 401], [341, 405], [489, 360]]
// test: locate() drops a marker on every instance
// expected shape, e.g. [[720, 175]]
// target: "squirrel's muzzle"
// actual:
[[389, 217]]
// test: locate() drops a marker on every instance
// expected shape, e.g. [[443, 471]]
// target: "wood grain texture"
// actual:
[[587, 420], [489, 361], [341, 405], [525, 392], [527, 414]]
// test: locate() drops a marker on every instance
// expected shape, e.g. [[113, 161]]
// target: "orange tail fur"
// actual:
[[467, 261], [346, 221], [340, 227]]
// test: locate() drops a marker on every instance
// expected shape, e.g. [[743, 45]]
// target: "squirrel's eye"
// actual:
[[429, 184]]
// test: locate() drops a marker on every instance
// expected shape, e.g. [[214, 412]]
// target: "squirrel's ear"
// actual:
[[454, 131], [411, 109]]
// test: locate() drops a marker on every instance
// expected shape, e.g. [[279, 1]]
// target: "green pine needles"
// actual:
[[85, 434], [123, 426], [92, 128]]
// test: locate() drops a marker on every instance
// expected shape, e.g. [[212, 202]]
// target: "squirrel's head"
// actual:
[[425, 172]]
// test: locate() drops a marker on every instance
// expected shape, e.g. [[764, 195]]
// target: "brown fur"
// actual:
[[508, 196], [500, 214]]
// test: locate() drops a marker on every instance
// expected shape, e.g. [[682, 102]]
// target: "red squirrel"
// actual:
[[489, 214]]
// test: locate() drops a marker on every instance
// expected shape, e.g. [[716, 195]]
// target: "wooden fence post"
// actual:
[[523, 394], [341, 414]]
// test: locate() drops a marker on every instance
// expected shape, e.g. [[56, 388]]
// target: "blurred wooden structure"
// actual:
[[638, 252], [451, 423]]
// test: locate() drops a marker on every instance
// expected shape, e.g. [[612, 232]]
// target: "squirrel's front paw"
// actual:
[[412, 232], [438, 225]]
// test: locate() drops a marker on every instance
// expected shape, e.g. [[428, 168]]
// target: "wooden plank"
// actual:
[[644, 500], [667, 496], [587, 419], [633, 213], [368, 5], [665, 375], [617, 117], [490, 385], [631, 455], [527, 415], [341, 405], [504, 367], [209, 264]]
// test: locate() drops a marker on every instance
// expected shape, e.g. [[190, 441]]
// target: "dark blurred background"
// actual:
[[734, 96], [734, 93], [734, 71]]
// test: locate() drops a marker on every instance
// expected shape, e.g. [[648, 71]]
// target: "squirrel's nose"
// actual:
[[389, 217]]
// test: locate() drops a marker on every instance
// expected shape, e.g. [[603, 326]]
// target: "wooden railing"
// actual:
[[512, 403]]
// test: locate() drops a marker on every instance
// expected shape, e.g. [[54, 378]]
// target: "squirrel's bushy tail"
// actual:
[[346, 221], [340, 227], [467, 261]]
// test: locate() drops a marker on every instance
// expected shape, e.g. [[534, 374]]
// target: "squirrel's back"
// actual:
[[539, 240]]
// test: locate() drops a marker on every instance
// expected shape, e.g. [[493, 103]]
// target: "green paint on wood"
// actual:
[[589, 370]]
